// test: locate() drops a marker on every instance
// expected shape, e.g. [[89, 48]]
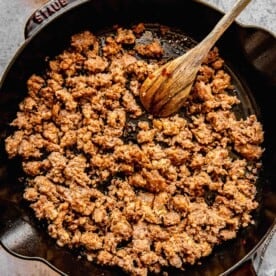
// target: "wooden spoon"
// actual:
[[166, 89]]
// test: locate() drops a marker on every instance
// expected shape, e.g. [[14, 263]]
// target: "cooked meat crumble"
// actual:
[[137, 192]]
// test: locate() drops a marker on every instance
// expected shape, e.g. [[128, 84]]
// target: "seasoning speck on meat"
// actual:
[[130, 190]]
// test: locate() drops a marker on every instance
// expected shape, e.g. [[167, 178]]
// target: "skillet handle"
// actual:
[[254, 266], [246, 269], [43, 15], [259, 48]]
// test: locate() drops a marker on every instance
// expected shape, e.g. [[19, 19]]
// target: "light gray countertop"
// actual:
[[261, 13], [13, 16]]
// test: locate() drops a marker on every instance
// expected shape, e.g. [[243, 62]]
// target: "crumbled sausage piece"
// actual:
[[220, 120], [104, 257], [153, 49], [122, 228], [95, 64], [181, 203], [91, 241], [154, 181], [75, 170], [83, 41], [149, 258], [203, 91], [205, 74], [111, 47], [139, 28], [34, 167], [212, 56], [13, 142], [171, 218], [145, 136], [220, 82], [31, 194], [139, 69], [125, 36], [35, 83]]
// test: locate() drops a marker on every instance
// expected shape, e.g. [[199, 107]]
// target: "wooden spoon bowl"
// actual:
[[165, 90]]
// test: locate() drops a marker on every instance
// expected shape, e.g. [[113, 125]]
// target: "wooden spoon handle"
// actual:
[[208, 42]]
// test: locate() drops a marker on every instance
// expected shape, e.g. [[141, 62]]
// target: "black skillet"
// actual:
[[250, 55]]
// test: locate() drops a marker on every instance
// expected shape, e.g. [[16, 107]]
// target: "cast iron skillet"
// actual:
[[250, 55]]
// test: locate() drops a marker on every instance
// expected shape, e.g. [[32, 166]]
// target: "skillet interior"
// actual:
[[22, 233]]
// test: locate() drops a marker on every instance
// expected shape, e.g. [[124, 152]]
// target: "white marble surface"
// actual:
[[14, 14], [260, 13]]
